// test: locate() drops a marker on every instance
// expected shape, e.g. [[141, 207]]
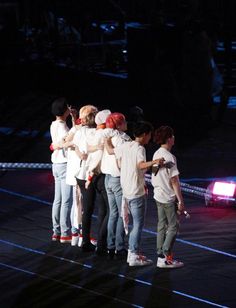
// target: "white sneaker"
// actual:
[[75, 239], [138, 260], [128, 255], [65, 239], [168, 262], [80, 241]]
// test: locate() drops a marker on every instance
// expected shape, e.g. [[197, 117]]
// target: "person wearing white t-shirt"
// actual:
[[97, 179], [115, 228], [168, 197], [132, 160], [73, 165], [62, 192], [84, 136]]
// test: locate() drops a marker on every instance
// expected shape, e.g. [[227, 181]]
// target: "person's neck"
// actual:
[[61, 118], [101, 126], [139, 140], [166, 146]]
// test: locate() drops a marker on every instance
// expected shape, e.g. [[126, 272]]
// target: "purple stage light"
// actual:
[[221, 193]]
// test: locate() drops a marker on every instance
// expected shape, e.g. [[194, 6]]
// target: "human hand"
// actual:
[[87, 183], [84, 156]]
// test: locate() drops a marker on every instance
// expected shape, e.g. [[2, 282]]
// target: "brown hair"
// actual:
[[90, 119], [162, 134]]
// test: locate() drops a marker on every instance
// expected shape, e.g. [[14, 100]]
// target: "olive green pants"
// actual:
[[167, 227]]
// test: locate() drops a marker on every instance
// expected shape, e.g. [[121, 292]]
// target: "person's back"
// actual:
[[132, 160], [165, 181], [115, 230], [163, 190], [131, 177], [58, 131], [62, 193]]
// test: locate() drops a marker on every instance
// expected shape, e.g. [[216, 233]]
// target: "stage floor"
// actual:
[[36, 272]]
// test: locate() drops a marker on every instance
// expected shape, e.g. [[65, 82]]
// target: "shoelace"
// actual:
[[169, 259], [142, 258]]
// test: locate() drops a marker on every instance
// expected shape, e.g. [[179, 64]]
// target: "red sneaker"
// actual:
[[65, 239], [55, 237]]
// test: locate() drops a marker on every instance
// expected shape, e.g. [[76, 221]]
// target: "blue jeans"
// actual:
[[62, 201], [115, 226], [137, 209], [167, 227]]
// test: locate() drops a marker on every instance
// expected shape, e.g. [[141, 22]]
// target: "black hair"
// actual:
[[59, 106], [142, 127]]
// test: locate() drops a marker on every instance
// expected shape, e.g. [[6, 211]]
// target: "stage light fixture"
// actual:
[[221, 193]]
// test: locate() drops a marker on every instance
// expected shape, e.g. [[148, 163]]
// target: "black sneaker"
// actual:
[[122, 254], [88, 247], [100, 251], [111, 253]]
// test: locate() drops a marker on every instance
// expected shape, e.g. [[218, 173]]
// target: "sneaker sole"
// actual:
[[170, 266], [140, 264]]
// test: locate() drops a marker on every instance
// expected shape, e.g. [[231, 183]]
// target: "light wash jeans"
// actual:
[[115, 226], [167, 227], [76, 211], [62, 201], [137, 208]]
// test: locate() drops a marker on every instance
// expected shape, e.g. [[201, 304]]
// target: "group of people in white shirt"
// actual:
[[95, 163]]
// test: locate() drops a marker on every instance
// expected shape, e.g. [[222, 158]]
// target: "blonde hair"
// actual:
[[87, 109]]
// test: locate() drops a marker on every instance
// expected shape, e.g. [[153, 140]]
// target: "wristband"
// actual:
[[51, 147], [90, 177]]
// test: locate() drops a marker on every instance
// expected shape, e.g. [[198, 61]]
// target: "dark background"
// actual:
[[114, 54], [117, 54]]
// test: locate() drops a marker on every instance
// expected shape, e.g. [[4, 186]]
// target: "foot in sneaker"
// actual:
[[88, 247], [138, 260], [168, 262], [80, 242], [75, 239], [65, 239], [122, 253], [111, 253], [55, 237], [128, 255], [93, 241]]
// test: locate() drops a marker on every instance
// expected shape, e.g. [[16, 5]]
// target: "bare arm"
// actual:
[[148, 164], [94, 148], [68, 141], [59, 145], [176, 186], [74, 115], [82, 156], [109, 146]]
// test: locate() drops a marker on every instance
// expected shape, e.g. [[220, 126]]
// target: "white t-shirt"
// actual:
[[163, 191], [82, 138], [94, 158], [131, 177], [73, 163], [109, 162], [58, 131]]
